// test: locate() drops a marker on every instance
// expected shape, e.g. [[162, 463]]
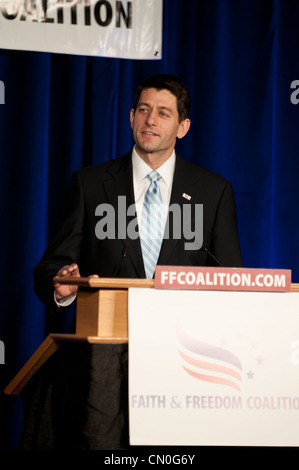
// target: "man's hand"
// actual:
[[63, 290]]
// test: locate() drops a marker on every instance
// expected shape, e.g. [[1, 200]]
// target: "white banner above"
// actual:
[[122, 29], [213, 368]]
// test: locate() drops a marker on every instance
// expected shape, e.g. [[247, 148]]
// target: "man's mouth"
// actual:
[[149, 133]]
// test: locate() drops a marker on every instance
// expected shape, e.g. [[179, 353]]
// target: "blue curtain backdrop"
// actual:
[[62, 112]]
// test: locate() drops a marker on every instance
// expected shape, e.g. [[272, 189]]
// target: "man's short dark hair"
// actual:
[[172, 84]]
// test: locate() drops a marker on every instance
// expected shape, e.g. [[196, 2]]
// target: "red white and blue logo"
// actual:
[[212, 363]]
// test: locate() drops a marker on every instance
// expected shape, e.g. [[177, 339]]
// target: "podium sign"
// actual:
[[213, 368], [239, 279]]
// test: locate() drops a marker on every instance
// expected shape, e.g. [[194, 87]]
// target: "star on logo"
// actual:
[[260, 360]]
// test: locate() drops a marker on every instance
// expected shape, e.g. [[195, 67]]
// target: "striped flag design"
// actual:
[[209, 363]]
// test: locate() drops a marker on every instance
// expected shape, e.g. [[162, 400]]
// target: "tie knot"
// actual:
[[154, 176]]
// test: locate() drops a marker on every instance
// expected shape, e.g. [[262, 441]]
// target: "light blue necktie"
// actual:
[[152, 224]]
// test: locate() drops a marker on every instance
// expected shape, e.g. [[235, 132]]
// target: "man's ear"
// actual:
[[132, 114], [184, 127]]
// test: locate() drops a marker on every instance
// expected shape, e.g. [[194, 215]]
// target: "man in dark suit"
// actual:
[[88, 242], [100, 232]]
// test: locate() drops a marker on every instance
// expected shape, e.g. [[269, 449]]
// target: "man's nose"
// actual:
[[151, 118]]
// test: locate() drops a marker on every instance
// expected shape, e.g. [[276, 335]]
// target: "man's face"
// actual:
[[155, 124]]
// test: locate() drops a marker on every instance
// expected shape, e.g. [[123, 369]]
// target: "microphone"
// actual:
[[118, 266], [204, 248]]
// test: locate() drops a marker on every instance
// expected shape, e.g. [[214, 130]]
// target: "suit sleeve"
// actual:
[[225, 240], [65, 244]]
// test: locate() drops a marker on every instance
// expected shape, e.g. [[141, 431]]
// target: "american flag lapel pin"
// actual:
[[186, 196]]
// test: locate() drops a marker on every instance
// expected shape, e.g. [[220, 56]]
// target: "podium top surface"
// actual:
[[105, 282], [118, 283]]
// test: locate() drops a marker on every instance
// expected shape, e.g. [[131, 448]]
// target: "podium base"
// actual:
[[78, 400]]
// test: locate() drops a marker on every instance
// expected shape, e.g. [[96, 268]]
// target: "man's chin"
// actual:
[[146, 149]]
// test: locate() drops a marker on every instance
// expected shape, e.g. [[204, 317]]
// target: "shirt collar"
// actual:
[[141, 169]]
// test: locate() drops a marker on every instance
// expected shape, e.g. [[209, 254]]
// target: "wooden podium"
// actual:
[[75, 386], [101, 318]]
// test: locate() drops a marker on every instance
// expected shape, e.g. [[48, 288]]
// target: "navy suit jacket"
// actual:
[[75, 240]]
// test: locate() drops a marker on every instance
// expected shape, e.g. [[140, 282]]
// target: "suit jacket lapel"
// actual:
[[120, 194], [182, 185]]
